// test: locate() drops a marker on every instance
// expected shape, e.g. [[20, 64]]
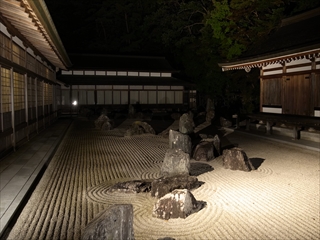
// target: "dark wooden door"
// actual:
[[296, 95]]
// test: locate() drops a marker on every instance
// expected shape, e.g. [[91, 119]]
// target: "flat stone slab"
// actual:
[[135, 186], [164, 185]]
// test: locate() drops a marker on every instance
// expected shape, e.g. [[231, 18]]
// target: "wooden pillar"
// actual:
[[261, 89], [247, 124], [1, 107], [312, 87], [13, 136], [26, 105], [268, 128], [36, 104], [295, 132], [54, 103], [43, 107], [70, 100]]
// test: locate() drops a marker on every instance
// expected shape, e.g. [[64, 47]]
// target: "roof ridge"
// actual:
[[116, 55], [300, 17]]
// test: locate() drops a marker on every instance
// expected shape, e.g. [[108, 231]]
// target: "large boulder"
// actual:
[[209, 116], [181, 141], [139, 127], [175, 162], [236, 159], [216, 143], [180, 203], [114, 223], [204, 151], [102, 119], [108, 125], [186, 123], [164, 185]]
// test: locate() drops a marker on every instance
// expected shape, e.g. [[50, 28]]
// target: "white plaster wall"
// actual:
[[271, 110], [306, 68]]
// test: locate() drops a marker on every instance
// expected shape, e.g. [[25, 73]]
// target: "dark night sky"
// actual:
[[111, 26], [85, 26]]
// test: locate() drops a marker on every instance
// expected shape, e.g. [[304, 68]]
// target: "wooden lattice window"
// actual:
[[40, 93], [48, 97], [31, 63], [18, 54], [5, 90], [32, 98], [5, 48], [31, 93], [18, 91]]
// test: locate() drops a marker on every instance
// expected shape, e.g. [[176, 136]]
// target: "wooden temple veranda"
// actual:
[[289, 62]]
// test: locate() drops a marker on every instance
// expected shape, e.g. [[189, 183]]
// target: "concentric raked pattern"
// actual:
[[280, 200]]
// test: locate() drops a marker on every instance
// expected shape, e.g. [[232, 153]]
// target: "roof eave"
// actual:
[[40, 9], [309, 52]]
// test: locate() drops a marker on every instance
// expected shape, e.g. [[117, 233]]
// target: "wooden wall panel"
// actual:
[[316, 91], [271, 91], [296, 99]]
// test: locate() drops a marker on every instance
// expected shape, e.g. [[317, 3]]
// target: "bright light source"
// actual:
[[74, 103]]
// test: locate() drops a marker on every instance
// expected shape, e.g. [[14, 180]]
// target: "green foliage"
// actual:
[[237, 23]]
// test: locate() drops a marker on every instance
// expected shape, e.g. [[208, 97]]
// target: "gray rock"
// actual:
[[225, 123], [139, 127], [217, 144], [236, 159], [176, 162], [181, 141], [215, 141], [135, 186], [106, 126], [180, 203], [101, 120], [164, 185], [114, 223], [203, 151], [186, 123], [210, 115]]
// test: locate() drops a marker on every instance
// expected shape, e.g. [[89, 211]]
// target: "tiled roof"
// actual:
[[120, 63], [297, 37], [30, 20]]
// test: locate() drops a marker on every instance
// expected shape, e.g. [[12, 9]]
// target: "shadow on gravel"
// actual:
[[198, 168], [159, 125], [256, 162]]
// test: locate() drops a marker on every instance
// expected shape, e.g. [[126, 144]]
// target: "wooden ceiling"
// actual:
[[30, 20]]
